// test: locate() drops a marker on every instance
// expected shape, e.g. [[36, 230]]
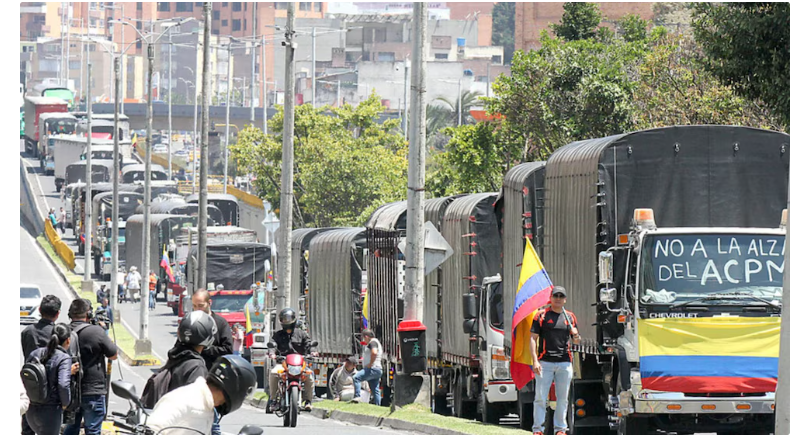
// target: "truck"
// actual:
[[34, 107], [54, 90], [102, 171], [228, 205], [667, 229], [185, 240], [67, 149], [52, 124], [102, 205], [104, 124]]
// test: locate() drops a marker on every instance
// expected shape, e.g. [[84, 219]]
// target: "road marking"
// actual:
[[41, 190]]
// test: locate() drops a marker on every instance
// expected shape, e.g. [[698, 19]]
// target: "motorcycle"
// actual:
[[290, 385], [130, 423]]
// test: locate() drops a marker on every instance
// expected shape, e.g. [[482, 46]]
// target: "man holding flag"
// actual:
[[551, 359]]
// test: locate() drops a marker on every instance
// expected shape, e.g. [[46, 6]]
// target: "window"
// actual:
[[163, 6], [198, 4], [138, 45], [224, 23], [440, 56], [215, 32], [214, 15], [74, 64], [237, 25], [497, 59], [237, 6], [138, 6], [317, 7], [184, 7], [281, 6], [480, 79], [386, 56], [138, 25], [224, 4], [305, 6], [245, 6], [244, 25]]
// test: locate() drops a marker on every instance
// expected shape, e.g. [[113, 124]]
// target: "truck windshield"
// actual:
[[734, 268], [229, 303]]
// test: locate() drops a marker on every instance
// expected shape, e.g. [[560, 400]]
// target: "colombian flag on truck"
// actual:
[[710, 354]]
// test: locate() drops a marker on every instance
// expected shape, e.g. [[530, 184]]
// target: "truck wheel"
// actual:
[[491, 412], [631, 425], [525, 412], [462, 408], [440, 405]]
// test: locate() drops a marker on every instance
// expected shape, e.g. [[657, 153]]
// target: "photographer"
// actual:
[[95, 347]]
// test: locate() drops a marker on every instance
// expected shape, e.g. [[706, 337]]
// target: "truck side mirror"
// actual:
[[605, 268], [470, 305], [470, 326]]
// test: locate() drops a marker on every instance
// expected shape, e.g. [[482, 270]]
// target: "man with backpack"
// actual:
[[38, 335], [90, 346], [184, 364]]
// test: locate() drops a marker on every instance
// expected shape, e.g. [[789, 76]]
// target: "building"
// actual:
[[533, 17]]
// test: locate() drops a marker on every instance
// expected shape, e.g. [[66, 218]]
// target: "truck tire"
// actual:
[[491, 412], [440, 405], [462, 408], [631, 425]]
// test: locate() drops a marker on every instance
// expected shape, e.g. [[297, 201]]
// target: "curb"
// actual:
[[392, 423], [258, 403]]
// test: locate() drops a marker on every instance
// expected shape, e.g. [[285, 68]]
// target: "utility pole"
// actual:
[[115, 187], [264, 81], [339, 93], [202, 220], [169, 108], [488, 77], [458, 103], [314, 67], [415, 268], [194, 144], [87, 224], [287, 167], [122, 31], [227, 118], [143, 344], [782, 410], [407, 65], [253, 71]]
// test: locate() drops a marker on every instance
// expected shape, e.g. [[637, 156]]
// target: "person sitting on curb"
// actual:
[[341, 381]]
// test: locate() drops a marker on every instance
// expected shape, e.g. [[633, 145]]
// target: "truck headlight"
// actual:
[[500, 363]]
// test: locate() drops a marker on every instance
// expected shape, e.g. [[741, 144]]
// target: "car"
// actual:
[[160, 149], [29, 298], [180, 153]]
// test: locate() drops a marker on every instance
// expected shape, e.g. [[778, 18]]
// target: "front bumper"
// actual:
[[501, 391]]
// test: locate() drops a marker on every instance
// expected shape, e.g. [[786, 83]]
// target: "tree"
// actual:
[[633, 28], [444, 115], [346, 164], [579, 21], [503, 25], [747, 46]]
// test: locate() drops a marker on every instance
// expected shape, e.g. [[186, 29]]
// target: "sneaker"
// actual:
[[561, 432], [538, 433], [307, 406]]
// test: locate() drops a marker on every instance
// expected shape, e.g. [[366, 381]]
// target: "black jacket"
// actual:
[[35, 336], [58, 375], [298, 342], [223, 342], [185, 365]]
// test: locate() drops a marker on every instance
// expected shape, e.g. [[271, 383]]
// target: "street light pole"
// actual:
[[407, 65], [264, 81], [458, 103], [115, 187], [314, 67], [87, 203], [253, 70], [203, 200], [227, 119], [194, 143], [169, 109], [144, 341]]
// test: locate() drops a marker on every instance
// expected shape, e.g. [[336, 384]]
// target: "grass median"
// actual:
[[124, 339], [416, 413]]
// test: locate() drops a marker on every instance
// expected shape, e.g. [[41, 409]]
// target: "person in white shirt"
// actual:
[[229, 382], [134, 281]]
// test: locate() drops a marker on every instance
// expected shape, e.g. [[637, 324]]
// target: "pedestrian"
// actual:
[[45, 418], [372, 370], [52, 216], [134, 281], [105, 309], [341, 382], [153, 281], [95, 347], [62, 219], [38, 335], [121, 285], [223, 340], [238, 339], [101, 294], [552, 359]]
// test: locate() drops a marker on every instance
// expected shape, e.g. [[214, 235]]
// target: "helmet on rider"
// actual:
[[235, 377], [288, 318], [197, 329]]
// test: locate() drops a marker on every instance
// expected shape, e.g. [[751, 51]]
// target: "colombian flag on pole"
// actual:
[[365, 312], [532, 293], [710, 354], [165, 264]]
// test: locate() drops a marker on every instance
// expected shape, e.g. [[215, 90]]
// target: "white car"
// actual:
[[29, 298], [160, 149]]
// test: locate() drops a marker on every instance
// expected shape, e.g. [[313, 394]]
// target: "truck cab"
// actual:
[[700, 314]]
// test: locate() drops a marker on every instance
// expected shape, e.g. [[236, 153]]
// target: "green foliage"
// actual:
[[633, 28], [346, 164], [579, 21], [672, 15], [747, 46], [445, 114], [503, 25]]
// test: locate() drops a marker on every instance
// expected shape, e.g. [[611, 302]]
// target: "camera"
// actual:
[[100, 318]]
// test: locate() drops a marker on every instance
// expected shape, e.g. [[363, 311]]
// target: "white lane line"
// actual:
[[49, 266], [136, 334], [41, 190]]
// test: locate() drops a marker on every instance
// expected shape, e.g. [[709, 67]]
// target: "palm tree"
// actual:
[[444, 115]]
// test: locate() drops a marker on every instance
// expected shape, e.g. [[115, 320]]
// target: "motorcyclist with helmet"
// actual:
[[195, 332], [290, 340], [227, 385]]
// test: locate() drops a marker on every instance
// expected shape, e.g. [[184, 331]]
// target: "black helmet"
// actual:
[[236, 378], [288, 318], [197, 329]]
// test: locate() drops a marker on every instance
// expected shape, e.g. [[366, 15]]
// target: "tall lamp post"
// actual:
[[143, 345]]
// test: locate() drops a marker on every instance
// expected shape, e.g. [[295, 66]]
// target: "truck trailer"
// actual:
[[35, 106]]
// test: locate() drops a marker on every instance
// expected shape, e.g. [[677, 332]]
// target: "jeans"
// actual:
[[152, 300], [44, 419], [373, 378], [215, 429], [93, 412], [26, 428], [562, 373]]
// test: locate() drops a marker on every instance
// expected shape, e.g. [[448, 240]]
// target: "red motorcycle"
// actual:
[[292, 376]]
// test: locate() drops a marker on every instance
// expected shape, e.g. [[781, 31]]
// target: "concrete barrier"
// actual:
[[64, 252]]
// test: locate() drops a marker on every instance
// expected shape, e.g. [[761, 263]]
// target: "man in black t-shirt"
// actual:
[[95, 347], [552, 359]]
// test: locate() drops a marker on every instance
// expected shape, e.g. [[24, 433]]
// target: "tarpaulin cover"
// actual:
[[128, 201], [710, 355], [101, 171], [235, 265], [470, 227], [163, 227], [301, 239], [227, 204], [335, 289], [133, 173], [181, 207], [691, 176]]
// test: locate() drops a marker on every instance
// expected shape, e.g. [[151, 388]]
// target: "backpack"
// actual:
[[34, 378], [76, 380], [156, 387]]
